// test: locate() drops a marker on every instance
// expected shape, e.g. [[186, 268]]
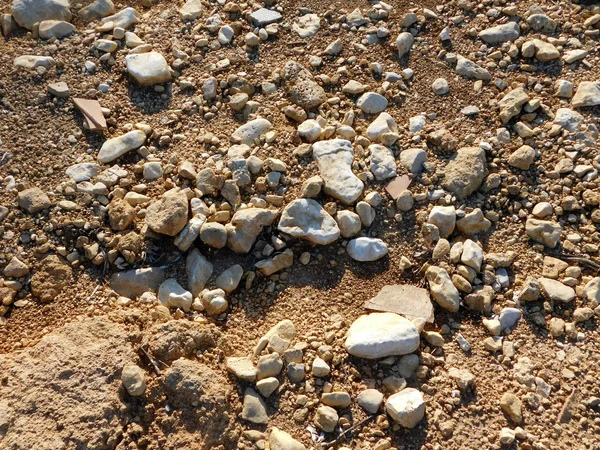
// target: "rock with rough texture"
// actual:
[[406, 407], [230, 278], [556, 291], [280, 440], [370, 400], [334, 158], [326, 418], [172, 295], [465, 171], [306, 219], [82, 171], [372, 103], [242, 368], [279, 262], [123, 19], [133, 380], [442, 289], [52, 278], [55, 29], [97, 10], [33, 61], [404, 43], [588, 94], [568, 119], [263, 17], [511, 405], [169, 214], [412, 159], [591, 290], [366, 249], [543, 231], [33, 200], [301, 86], [471, 70], [73, 377], [117, 147], [254, 409], [29, 12], [473, 223], [510, 105], [382, 127], [409, 301], [348, 222], [444, 218], [307, 25], [148, 69], [246, 225], [198, 270], [500, 33], [133, 283], [545, 51], [383, 164], [522, 158], [251, 131], [378, 335], [15, 268]]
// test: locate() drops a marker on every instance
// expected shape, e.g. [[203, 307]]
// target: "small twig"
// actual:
[[94, 291], [152, 361], [4, 156], [349, 430], [578, 259]]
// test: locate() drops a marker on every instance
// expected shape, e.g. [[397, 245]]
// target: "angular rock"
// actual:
[[279, 262], [473, 223], [301, 86], [198, 270], [378, 335], [55, 29], [133, 380], [307, 25], [97, 10], [230, 278], [443, 217], [471, 70], [334, 159], [543, 231], [500, 33], [123, 19], [409, 301], [171, 294], [588, 94], [442, 289], [242, 368], [306, 219], [191, 10], [412, 159], [280, 440], [246, 225], [33, 200], [404, 43], [383, 164], [372, 103], [190, 232], [406, 407], [326, 418], [556, 291], [263, 17]]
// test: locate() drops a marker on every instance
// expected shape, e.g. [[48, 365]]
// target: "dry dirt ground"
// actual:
[[326, 295]]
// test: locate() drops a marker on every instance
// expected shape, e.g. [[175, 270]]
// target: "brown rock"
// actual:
[[120, 214], [33, 200], [169, 214], [52, 277]]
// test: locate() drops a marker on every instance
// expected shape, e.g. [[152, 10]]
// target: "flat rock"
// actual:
[[471, 70], [588, 94], [97, 10], [307, 25], [378, 335], [242, 368], [148, 69], [33, 61], [33, 200], [123, 19], [366, 249], [280, 440], [254, 409], [500, 33], [263, 17], [556, 291], [543, 231], [55, 29], [29, 12], [372, 103], [306, 219], [251, 131], [191, 10], [117, 147], [334, 159], [409, 301], [465, 171]]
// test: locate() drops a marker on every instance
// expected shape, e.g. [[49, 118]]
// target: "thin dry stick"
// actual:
[[152, 361], [349, 430]]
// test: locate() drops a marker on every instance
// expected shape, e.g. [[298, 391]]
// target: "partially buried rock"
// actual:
[[500, 33], [306, 219], [379, 335], [246, 225], [406, 407], [148, 69], [301, 86], [53, 276], [334, 158], [543, 231], [133, 283], [251, 131], [471, 70], [15, 268], [169, 214], [465, 171], [383, 164], [254, 409], [326, 418], [588, 94], [55, 29], [280, 440], [366, 249], [120, 214], [410, 301], [134, 380], [556, 291], [117, 147], [33, 200], [171, 294], [198, 270]]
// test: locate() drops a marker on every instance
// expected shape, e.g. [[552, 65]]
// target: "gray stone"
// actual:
[[465, 171], [171, 294], [55, 29], [33, 200], [301, 86], [370, 400], [382, 164], [133, 283], [97, 10], [406, 407], [254, 409], [246, 225], [326, 418], [404, 43], [307, 25], [242, 368], [412, 159], [348, 222], [230, 278], [29, 12], [500, 33], [588, 94], [543, 231], [471, 70], [442, 289], [198, 270], [556, 291], [263, 17], [334, 159], [443, 217], [306, 219], [133, 380], [409, 301], [372, 103], [250, 131], [191, 10], [123, 19], [33, 61]]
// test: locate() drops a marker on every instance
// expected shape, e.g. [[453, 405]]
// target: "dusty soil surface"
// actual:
[[60, 368]]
